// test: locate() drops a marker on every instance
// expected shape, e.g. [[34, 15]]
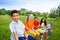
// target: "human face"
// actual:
[[30, 17], [15, 17], [36, 19], [43, 20]]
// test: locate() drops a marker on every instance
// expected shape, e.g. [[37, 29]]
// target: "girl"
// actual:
[[36, 27], [29, 26], [36, 23], [44, 27]]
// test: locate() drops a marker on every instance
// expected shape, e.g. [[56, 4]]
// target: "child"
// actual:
[[49, 27], [17, 27], [36, 23], [36, 27], [43, 23], [30, 27], [44, 27]]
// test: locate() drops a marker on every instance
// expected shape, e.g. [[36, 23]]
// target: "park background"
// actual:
[[50, 9]]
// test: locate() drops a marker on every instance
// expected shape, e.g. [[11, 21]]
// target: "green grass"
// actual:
[[5, 31], [56, 33]]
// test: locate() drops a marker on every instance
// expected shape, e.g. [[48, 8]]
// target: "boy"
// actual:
[[49, 27], [17, 27]]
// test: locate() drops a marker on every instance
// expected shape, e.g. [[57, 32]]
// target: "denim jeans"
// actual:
[[31, 38], [21, 38]]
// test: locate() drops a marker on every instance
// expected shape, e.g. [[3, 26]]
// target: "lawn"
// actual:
[[5, 31]]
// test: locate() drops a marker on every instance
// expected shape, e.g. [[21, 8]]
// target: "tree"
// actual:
[[58, 11], [52, 13], [22, 11], [36, 13], [44, 14], [2, 11]]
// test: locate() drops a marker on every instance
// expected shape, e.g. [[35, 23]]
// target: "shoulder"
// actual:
[[20, 21], [11, 24]]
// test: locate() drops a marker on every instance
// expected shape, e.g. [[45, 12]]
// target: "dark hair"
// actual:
[[13, 11], [35, 17], [44, 22]]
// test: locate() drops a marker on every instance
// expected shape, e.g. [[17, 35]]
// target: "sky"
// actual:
[[34, 5]]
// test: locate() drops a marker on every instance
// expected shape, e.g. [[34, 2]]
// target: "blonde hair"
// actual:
[[29, 16]]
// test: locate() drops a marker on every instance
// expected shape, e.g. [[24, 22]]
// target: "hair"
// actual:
[[44, 21], [13, 11], [29, 16], [51, 22], [35, 17]]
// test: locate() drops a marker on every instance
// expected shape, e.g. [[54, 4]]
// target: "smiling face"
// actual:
[[36, 19], [15, 17], [43, 20], [30, 17]]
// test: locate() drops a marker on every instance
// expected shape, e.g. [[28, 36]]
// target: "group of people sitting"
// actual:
[[30, 29]]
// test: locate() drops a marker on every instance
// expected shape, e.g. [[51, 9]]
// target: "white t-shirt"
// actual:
[[18, 28], [42, 25], [49, 26]]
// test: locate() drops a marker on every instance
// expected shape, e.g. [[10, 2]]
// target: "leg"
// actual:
[[21, 38], [45, 35], [31, 38]]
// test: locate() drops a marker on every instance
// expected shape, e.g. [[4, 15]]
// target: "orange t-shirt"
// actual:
[[29, 25]]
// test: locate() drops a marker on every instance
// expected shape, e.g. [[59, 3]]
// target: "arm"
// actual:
[[46, 26], [39, 26], [15, 36], [27, 28], [25, 35], [33, 28], [13, 30]]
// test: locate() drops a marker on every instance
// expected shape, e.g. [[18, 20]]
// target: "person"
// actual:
[[17, 27], [36, 23], [37, 27], [29, 24], [43, 25], [49, 27]]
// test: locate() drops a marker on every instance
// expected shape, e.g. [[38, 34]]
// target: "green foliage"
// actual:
[[56, 31], [55, 12], [4, 12], [52, 13], [44, 14], [5, 31], [58, 11], [24, 12]]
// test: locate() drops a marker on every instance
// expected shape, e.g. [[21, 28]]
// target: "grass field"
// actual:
[[5, 31]]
